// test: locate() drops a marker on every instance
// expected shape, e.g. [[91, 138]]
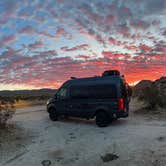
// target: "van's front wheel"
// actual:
[[53, 115], [102, 119]]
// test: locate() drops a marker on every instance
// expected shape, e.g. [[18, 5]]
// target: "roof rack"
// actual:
[[111, 73]]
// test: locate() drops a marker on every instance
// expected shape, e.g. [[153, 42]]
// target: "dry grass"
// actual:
[[12, 139], [28, 103], [139, 107], [136, 105]]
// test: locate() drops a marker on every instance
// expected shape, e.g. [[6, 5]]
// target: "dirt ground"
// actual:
[[32, 139]]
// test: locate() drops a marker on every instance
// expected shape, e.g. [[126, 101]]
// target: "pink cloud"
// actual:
[[145, 48], [27, 29], [10, 53], [98, 19], [76, 48], [35, 45], [156, 22], [112, 41], [139, 24], [7, 39], [125, 12], [45, 54], [62, 32], [131, 47], [107, 54], [110, 19], [124, 30], [52, 72]]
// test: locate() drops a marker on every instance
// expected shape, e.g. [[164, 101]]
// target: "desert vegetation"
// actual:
[[152, 94], [7, 110], [25, 98], [11, 100], [153, 97]]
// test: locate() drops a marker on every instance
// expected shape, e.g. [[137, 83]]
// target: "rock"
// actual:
[[46, 162], [109, 157], [161, 138]]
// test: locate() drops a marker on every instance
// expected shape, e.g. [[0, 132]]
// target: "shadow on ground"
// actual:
[[90, 122]]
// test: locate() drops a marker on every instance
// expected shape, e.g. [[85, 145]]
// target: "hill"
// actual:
[[27, 92], [153, 93], [144, 84], [161, 84]]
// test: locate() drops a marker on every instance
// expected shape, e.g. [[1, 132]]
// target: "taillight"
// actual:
[[121, 104]]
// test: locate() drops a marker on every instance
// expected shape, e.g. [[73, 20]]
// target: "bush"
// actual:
[[153, 97], [6, 111]]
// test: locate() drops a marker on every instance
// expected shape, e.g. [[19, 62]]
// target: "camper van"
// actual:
[[105, 98]]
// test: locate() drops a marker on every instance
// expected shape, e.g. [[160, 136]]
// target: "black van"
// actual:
[[104, 98]]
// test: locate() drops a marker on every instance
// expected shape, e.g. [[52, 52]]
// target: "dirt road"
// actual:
[[135, 141]]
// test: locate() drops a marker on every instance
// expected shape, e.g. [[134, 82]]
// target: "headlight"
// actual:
[[48, 101]]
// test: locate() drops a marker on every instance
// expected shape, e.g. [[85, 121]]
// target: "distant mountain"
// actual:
[[142, 85], [28, 92]]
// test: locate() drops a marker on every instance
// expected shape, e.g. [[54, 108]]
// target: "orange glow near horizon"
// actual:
[[55, 85], [15, 87]]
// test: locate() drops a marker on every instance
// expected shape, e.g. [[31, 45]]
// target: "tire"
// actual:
[[102, 119], [53, 115]]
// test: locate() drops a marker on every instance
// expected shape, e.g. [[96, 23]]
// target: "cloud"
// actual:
[[76, 48], [51, 71], [10, 7], [47, 54], [26, 11], [125, 35], [160, 47], [139, 24], [109, 19], [164, 33], [88, 11], [33, 31], [132, 47], [7, 40], [156, 22], [27, 29], [155, 6], [10, 52], [62, 32], [145, 48], [35, 45]]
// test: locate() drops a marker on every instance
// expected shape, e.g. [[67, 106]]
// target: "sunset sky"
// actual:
[[45, 42]]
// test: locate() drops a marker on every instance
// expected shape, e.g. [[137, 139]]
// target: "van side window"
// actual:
[[94, 91], [62, 94], [103, 91], [78, 92]]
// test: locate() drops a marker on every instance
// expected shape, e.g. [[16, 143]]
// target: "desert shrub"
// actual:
[[153, 97], [162, 101], [6, 110]]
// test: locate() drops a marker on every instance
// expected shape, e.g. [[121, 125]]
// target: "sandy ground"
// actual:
[[32, 138]]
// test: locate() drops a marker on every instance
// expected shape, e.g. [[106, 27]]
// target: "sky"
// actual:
[[44, 43]]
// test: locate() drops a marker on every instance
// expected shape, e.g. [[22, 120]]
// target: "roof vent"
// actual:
[[111, 73], [73, 77]]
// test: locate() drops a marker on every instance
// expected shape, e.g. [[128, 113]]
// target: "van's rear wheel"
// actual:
[[53, 115], [102, 119]]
